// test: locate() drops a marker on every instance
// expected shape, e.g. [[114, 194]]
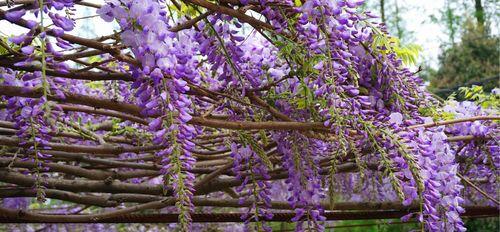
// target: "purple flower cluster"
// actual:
[[251, 170], [35, 117], [33, 120], [61, 23], [16, 203], [304, 180], [481, 153], [321, 63], [441, 197], [220, 44], [161, 83]]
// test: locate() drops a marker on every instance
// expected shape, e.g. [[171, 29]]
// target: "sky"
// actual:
[[425, 33], [417, 20]]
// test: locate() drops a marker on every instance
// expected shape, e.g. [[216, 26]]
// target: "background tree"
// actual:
[[473, 60], [479, 13], [391, 13]]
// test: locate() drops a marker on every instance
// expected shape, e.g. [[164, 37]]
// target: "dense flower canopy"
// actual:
[[298, 110]]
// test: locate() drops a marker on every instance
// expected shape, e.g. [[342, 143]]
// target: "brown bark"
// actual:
[[16, 216]]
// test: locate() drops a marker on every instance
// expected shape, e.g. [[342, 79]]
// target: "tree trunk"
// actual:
[[479, 13], [382, 10], [450, 21], [397, 21]]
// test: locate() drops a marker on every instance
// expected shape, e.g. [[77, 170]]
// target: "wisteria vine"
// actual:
[[282, 100]]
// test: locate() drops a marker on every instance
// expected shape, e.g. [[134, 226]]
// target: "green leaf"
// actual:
[[96, 85], [94, 59]]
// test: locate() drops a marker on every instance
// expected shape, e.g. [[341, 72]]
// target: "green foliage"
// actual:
[[474, 59], [299, 55], [3, 50], [4, 43], [407, 53], [373, 226], [184, 9], [96, 85], [94, 59], [305, 63], [436, 114], [127, 131], [390, 225], [474, 93], [306, 97], [477, 94], [188, 10], [482, 224]]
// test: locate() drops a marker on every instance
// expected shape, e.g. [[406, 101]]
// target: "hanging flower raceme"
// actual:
[[435, 162], [251, 170], [304, 181], [36, 118], [162, 83], [34, 123]]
